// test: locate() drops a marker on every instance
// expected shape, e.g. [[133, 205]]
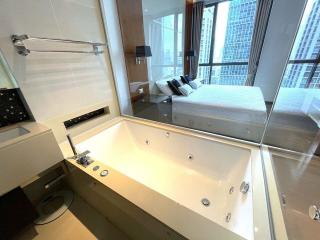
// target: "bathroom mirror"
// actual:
[[7, 80], [201, 71]]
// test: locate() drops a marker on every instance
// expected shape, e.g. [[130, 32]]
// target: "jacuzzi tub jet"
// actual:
[[228, 217], [205, 202], [190, 156]]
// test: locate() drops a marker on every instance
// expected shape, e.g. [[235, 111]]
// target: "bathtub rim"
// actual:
[[261, 225], [276, 212], [277, 215], [168, 127]]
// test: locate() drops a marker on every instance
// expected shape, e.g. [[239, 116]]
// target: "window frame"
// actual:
[[211, 63], [175, 65], [315, 62]]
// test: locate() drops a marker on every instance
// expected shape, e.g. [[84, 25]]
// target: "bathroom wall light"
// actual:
[[142, 52]]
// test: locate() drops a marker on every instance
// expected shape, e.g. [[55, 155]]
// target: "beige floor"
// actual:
[[81, 221]]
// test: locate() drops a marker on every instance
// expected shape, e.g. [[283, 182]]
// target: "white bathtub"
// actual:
[[167, 171]]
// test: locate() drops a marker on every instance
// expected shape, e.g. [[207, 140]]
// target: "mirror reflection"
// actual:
[[7, 80], [296, 113], [193, 64]]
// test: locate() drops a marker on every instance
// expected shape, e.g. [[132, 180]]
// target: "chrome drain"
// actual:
[[205, 202]]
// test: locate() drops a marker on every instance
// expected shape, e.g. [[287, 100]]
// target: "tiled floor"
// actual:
[[81, 222], [298, 183]]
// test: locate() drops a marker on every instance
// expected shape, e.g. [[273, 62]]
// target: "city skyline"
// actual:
[[306, 47], [232, 41], [237, 43]]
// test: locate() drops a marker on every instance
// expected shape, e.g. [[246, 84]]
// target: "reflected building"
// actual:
[[297, 75]]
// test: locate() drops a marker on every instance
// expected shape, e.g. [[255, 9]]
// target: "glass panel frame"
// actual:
[[7, 80]]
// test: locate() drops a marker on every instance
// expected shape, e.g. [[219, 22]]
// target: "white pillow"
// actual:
[[164, 87], [195, 84], [186, 90]]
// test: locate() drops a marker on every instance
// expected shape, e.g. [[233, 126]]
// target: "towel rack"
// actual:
[[18, 42]]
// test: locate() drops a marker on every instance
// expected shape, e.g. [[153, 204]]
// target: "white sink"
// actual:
[[12, 133]]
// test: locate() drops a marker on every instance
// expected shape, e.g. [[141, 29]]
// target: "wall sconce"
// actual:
[[190, 53], [142, 52]]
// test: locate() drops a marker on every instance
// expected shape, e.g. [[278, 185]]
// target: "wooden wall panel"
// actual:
[[131, 23]]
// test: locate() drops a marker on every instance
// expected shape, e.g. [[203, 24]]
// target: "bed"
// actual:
[[237, 111]]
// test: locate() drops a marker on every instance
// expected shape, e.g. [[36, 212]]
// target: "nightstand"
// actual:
[[154, 107]]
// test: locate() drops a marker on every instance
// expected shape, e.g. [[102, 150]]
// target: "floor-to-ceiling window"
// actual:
[[165, 36], [225, 45]]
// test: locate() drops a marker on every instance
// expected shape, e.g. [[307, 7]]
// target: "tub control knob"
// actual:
[[104, 173], [244, 187], [314, 212]]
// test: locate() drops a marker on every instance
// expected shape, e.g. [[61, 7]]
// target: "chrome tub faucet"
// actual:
[[81, 158]]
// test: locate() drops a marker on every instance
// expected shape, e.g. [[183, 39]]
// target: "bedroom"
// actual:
[[228, 49]]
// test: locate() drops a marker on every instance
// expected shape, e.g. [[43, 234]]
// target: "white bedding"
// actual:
[[295, 101], [233, 103], [296, 109]]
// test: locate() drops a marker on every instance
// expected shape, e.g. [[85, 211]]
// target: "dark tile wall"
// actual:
[[12, 109], [86, 117]]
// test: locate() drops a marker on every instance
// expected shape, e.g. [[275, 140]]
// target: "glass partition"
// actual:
[[193, 63], [7, 81], [297, 179], [295, 120], [294, 124]]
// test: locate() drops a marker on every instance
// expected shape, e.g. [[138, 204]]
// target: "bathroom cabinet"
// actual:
[[26, 150]]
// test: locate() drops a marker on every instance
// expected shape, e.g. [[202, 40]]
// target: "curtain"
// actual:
[[156, 41], [196, 25], [259, 31]]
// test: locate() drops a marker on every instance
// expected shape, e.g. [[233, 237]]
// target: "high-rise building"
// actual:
[[205, 43], [228, 42], [237, 44], [306, 47]]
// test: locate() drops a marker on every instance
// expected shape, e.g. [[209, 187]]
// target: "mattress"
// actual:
[[295, 101], [231, 103], [292, 109]]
